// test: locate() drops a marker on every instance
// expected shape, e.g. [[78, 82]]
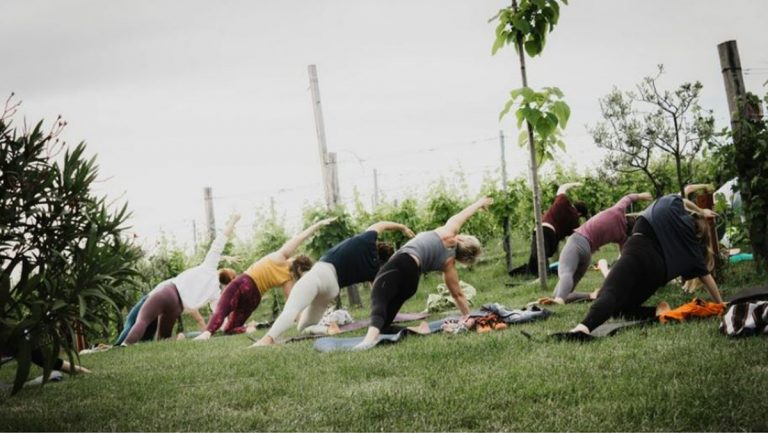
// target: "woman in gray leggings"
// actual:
[[609, 226]]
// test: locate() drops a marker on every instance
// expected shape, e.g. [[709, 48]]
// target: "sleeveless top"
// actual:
[[267, 274], [429, 249]]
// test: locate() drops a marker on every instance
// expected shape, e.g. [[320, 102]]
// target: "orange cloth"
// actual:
[[268, 274], [695, 308]]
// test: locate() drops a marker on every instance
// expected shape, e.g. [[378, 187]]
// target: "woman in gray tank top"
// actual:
[[436, 250]]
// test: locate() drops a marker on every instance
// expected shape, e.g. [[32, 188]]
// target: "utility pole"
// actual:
[[329, 168], [209, 220], [540, 251], [375, 189], [507, 244], [194, 235], [734, 81], [320, 129]]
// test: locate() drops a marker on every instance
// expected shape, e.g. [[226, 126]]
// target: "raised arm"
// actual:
[[566, 186], [286, 251], [454, 223], [217, 246], [384, 226], [690, 189]]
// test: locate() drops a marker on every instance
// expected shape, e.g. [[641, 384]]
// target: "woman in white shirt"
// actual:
[[189, 290]]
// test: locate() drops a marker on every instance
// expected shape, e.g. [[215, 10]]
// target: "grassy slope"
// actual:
[[674, 377]]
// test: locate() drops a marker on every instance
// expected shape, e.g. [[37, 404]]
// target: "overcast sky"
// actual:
[[174, 96]]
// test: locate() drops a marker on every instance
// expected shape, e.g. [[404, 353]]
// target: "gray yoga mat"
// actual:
[[605, 330], [341, 344], [360, 324]]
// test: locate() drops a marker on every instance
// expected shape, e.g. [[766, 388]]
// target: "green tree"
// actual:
[[526, 26], [640, 127], [65, 260]]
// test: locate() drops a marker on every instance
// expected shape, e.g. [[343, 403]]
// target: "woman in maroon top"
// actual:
[[560, 221]]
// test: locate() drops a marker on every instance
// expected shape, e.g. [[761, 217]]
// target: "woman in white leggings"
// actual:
[[355, 260]]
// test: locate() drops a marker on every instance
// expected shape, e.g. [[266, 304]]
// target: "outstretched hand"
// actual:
[[326, 221], [408, 232], [645, 196], [485, 202]]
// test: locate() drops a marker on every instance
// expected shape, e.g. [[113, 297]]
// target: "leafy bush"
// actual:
[[330, 235], [65, 262]]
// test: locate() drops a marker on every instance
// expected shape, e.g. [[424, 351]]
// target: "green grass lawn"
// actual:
[[662, 377]]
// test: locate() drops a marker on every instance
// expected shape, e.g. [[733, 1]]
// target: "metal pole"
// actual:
[[507, 243]]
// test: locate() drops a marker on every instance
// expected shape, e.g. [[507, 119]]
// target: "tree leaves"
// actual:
[[527, 24], [545, 112]]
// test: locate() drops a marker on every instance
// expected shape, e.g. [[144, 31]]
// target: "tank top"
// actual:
[[267, 274], [429, 249]]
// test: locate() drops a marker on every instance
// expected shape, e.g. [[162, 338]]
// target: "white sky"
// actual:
[[177, 95]]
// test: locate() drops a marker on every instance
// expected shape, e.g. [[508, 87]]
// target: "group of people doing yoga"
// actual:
[[667, 240]]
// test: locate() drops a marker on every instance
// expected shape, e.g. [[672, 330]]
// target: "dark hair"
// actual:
[[582, 208], [300, 265], [226, 275], [384, 250]]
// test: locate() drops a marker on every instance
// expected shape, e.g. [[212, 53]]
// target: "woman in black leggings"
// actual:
[[669, 240], [436, 250]]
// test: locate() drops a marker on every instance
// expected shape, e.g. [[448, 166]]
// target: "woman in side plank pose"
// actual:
[[189, 290], [436, 250], [354, 260], [670, 239], [608, 226], [241, 297]]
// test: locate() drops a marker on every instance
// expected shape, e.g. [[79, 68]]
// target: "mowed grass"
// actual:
[[679, 377]]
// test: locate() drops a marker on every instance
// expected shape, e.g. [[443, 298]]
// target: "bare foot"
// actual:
[[559, 301], [333, 329], [264, 341], [662, 307], [180, 336], [423, 328], [204, 336]]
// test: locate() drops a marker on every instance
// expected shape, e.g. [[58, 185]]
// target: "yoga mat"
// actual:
[[341, 344], [360, 324], [750, 294], [605, 330]]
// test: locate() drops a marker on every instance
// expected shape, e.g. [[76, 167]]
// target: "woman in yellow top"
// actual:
[[241, 297]]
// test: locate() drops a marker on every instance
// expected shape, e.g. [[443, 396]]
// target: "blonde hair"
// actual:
[[703, 235], [468, 249]]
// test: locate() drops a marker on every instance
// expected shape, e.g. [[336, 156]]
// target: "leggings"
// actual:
[[38, 358], [638, 273], [238, 300], [310, 296], [130, 319], [550, 246], [574, 262], [395, 283], [163, 306]]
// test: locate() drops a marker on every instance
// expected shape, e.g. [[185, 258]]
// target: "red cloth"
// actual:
[[695, 308], [563, 217]]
